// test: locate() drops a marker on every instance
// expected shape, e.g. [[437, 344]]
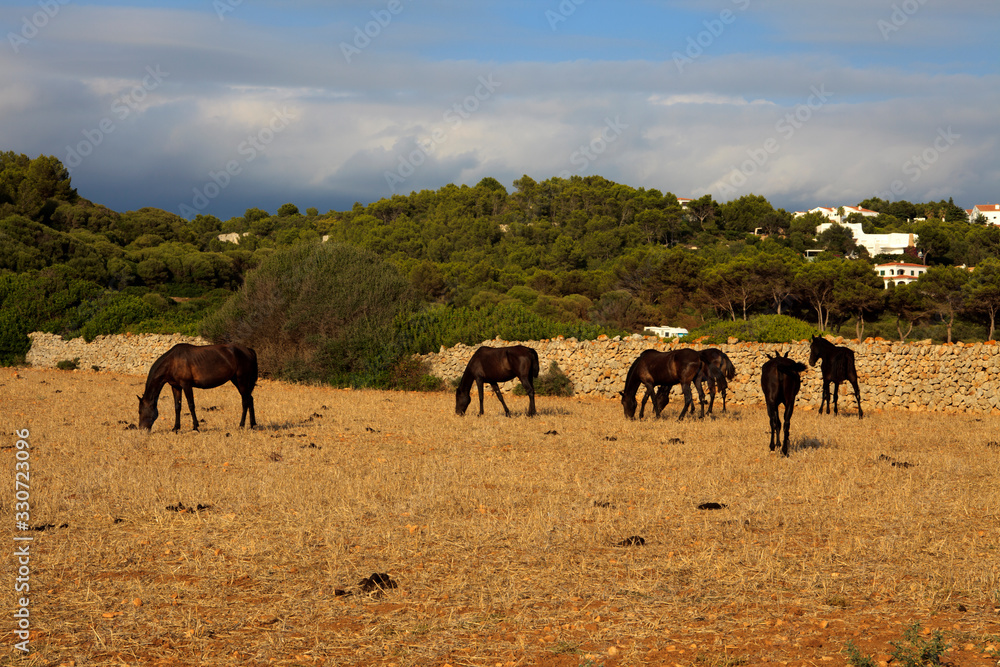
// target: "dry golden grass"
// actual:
[[503, 535]]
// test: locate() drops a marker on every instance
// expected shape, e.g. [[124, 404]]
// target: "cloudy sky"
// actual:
[[215, 106]]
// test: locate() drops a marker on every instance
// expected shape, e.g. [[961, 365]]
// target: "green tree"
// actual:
[[908, 304], [859, 291], [815, 282], [944, 288], [983, 291], [323, 311]]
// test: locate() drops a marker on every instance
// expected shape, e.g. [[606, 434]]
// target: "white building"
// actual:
[[989, 211], [667, 332], [876, 244], [899, 273], [834, 216]]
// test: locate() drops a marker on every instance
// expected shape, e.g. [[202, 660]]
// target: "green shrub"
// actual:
[[68, 364], [761, 329], [410, 374], [115, 313], [917, 652], [14, 341], [552, 383], [432, 328], [855, 658], [318, 312]]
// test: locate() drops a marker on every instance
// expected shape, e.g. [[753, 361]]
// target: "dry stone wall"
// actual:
[[907, 376], [123, 353]]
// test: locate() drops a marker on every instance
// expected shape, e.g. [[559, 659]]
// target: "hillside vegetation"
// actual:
[[574, 257]]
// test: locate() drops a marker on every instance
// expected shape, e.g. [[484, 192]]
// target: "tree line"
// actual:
[[580, 255]]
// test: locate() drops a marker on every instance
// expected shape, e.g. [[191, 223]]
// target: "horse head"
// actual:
[[815, 348], [148, 413], [628, 404], [462, 400]]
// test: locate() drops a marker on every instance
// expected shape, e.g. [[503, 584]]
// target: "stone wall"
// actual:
[[124, 353], [911, 376]]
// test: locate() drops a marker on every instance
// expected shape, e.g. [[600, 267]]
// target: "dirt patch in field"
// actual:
[[574, 538]]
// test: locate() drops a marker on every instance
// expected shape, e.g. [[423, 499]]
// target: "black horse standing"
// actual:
[[718, 370], [837, 366], [498, 364], [779, 378], [186, 367], [654, 368]]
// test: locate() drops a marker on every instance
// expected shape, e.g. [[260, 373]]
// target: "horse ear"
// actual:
[[139, 397]]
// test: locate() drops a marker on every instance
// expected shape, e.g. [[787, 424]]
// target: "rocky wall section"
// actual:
[[124, 353], [911, 376]]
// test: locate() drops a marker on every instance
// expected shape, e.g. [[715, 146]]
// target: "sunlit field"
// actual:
[[572, 538]]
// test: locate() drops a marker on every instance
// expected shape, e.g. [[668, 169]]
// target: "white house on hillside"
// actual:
[[989, 211], [899, 273], [833, 215], [889, 244]]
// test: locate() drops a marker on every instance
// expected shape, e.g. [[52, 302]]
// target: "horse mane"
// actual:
[[633, 370]]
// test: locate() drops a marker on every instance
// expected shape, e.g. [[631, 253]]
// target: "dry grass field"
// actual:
[[508, 540]]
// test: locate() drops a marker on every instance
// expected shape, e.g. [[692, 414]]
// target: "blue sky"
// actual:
[[216, 106]]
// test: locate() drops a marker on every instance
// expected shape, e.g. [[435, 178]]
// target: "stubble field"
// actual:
[[507, 541]]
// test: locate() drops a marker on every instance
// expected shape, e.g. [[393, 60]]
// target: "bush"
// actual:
[[68, 364], [320, 312], [410, 374], [115, 313], [761, 329], [14, 341], [430, 329], [552, 383]]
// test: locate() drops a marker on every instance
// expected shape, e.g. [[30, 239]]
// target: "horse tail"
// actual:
[[728, 369], [534, 363]]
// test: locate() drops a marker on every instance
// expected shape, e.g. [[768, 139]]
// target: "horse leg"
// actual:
[[247, 397], [701, 400], [857, 395], [177, 406], [479, 386], [772, 417], [711, 393], [836, 397], [496, 390], [189, 393], [529, 387], [688, 400], [788, 422], [642, 407], [826, 397]]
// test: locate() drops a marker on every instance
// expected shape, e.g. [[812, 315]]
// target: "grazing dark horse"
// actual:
[[837, 366], [779, 378], [718, 371], [654, 368], [186, 367], [498, 364]]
